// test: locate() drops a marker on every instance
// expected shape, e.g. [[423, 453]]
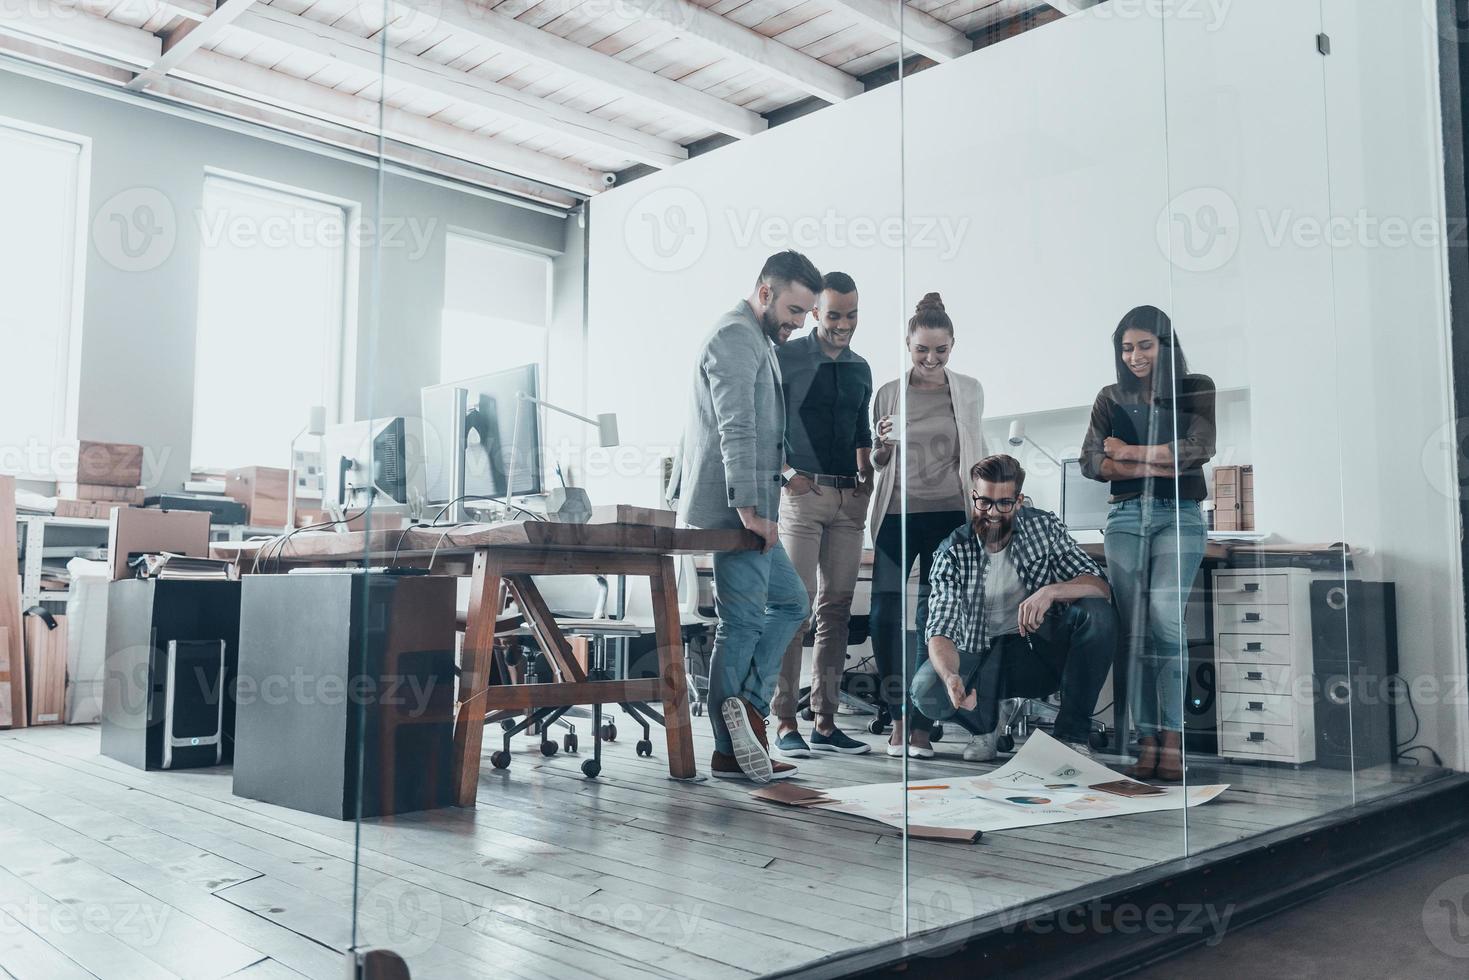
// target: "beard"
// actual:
[[992, 528], [771, 325]]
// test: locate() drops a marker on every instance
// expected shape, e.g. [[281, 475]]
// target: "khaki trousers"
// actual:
[[822, 533]]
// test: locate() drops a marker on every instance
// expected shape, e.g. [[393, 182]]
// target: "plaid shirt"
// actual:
[[1043, 552]]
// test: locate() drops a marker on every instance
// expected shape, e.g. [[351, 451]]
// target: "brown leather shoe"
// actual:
[[758, 725], [1147, 759], [725, 767], [747, 739], [1170, 757]]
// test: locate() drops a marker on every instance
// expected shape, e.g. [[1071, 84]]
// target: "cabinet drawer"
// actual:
[[1260, 741], [1254, 678], [1252, 617], [1257, 709], [1251, 587], [1250, 649]]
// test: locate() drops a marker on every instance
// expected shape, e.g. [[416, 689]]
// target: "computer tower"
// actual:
[[168, 675], [1354, 637], [345, 673]]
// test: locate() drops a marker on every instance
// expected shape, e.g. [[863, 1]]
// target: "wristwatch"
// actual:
[[787, 475]]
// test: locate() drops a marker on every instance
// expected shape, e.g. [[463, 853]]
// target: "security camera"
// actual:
[[608, 179]]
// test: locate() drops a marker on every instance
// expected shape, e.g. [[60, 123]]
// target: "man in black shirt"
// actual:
[[823, 509]]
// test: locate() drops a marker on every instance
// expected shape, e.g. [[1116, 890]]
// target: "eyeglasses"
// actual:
[[1003, 506]]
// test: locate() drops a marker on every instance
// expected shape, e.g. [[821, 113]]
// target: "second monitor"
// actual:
[[490, 422]]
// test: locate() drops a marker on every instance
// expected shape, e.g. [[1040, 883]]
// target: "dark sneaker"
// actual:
[[748, 742], [837, 741], [723, 766], [792, 744]]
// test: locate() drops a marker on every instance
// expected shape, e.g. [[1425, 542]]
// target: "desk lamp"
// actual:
[[565, 505], [1019, 438]]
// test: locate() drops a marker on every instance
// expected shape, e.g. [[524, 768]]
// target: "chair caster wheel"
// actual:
[[507, 725], [808, 715], [569, 742], [548, 748], [1097, 740], [500, 759], [876, 727], [609, 732], [936, 734], [1005, 743], [645, 748], [591, 768]]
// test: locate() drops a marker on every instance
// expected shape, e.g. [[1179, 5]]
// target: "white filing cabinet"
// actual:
[[1264, 665]]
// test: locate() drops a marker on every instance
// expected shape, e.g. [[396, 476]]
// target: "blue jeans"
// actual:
[[761, 602], [1154, 549]]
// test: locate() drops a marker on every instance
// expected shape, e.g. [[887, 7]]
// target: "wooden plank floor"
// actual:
[[106, 871]]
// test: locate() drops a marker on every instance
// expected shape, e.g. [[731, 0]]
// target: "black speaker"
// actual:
[[1354, 637]]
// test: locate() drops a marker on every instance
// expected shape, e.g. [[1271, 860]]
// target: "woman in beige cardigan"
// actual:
[[942, 438]]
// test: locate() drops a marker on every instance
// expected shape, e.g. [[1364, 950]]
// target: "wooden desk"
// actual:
[[511, 553]]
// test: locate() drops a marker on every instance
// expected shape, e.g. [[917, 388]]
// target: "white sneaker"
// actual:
[[1080, 748], [981, 748], [896, 751]]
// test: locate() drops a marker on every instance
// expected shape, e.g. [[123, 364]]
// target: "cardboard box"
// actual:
[[1234, 498], [263, 491], [46, 668], [99, 510], [136, 531], [133, 496], [112, 464]]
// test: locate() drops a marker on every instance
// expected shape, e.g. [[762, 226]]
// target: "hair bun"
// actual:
[[931, 301]]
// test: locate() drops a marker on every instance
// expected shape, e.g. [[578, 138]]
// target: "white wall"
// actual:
[[1077, 170], [137, 364]]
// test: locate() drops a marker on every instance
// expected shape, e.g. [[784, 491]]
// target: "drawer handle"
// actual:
[[1255, 675], [1257, 736], [1257, 706], [1252, 617], [1252, 586], [1254, 647]]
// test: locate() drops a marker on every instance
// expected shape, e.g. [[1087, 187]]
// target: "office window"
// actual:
[[497, 305], [43, 176], [274, 274]]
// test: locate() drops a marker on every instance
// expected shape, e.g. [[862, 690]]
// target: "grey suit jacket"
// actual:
[[734, 440]]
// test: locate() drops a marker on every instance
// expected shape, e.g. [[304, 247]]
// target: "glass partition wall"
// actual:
[[1123, 340]]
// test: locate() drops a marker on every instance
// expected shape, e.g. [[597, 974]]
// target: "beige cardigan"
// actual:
[[968, 399]]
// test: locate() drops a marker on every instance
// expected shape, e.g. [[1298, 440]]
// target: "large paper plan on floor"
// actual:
[[1045, 783]]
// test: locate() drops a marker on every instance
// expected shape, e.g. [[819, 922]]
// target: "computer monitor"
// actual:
[[1084, 501], [360, 456], [488, 420]]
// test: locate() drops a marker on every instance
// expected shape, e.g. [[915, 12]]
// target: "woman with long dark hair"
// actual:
[[942, 438], [1150, 435]]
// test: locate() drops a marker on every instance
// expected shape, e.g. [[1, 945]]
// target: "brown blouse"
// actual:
[[1186, 423]]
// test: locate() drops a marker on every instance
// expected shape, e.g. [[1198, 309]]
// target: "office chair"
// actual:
[[1019, 715]]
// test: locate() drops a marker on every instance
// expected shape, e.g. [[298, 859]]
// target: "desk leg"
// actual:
[[675, 678], [474, 676]]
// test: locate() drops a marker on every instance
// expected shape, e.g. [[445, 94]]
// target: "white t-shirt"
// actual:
[[1003, 594]]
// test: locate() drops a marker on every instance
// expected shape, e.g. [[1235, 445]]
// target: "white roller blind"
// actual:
[[502, 283]]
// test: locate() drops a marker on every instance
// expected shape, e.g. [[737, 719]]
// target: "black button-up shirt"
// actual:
[[827, 401]]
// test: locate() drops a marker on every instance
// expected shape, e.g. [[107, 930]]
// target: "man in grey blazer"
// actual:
[[730, 477]]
